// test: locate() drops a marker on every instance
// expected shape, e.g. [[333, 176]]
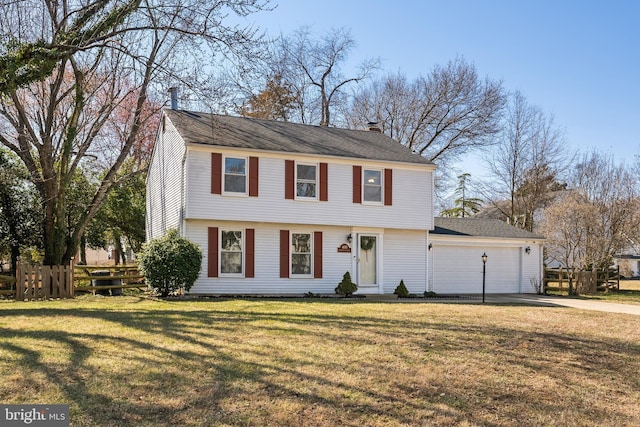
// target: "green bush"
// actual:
[[401, 290], [170, 262], [346, 287]]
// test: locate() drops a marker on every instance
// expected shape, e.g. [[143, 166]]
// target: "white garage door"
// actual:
[[458, 269]]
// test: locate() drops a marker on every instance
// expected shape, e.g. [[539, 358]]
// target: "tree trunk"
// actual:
[[15, 254], [83, 250], [119, 252]]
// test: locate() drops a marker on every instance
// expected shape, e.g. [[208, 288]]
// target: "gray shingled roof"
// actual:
[[242, 132], [480, 227]]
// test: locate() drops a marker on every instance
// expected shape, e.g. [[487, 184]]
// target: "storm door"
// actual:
[[367, 260]]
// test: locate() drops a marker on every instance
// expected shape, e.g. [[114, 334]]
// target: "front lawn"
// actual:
[[629, 293], [135, 361]]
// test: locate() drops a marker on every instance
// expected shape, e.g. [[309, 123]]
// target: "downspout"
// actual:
[[427, 265]]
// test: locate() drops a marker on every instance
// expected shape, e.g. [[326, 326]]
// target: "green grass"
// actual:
[[629, 293], [136, 361]]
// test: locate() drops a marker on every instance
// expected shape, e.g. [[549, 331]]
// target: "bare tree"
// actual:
[[313, 69], [593, 220], [611, 192], [391, 102], [563, 225], [440, 116], [58, 115], [526, 163]]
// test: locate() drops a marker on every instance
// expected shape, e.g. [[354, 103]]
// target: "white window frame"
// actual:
[[291, 253], [246, 176], [221, 250], [316, 181], [364, 185]]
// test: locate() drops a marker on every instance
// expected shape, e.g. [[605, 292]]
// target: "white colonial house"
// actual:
[[281, 208]]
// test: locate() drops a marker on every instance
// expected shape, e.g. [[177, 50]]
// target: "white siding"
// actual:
[[411, 209], [267, 261], [531, 268], [164, 183], [403, 256], [405, 259]]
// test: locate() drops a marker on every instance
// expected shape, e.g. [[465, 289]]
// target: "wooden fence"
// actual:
[[38, 282], [7, 285], [584, 282], [42, 282], [107, 279]]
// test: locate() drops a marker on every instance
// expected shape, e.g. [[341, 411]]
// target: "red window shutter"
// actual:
[[212, 264], [357, 184], [317, 254], [253, 177], [289, 180], [284, 253], [250, 248], [388, 187], [216, 173], [324, 187]]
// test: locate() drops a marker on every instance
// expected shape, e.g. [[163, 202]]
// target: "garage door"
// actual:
[[458, 269]]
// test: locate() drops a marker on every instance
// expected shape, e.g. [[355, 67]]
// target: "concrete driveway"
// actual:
[[551, 301]]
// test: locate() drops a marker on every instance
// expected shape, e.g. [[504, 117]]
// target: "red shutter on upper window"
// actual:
[[317, 254], [284, 253], [216, 173], [212, 243], [253, 177], [289, 179], [250, 248], [357, 184], [388, 187], [324, 187]]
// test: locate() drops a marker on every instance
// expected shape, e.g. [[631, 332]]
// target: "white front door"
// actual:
[[367, 261]]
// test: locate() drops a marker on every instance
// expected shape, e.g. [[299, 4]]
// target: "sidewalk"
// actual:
[[525, 299], [551, 301]]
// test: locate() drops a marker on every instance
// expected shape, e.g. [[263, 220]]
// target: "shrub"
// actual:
[[346, 287], [401, 290], [430, 294], [170, 262]]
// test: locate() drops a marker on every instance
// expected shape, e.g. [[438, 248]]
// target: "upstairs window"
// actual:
[[235, 175], [372, 186], [306, 181]]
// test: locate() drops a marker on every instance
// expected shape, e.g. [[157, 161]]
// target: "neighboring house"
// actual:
[[282, 208], [629, 263], [514, 257]]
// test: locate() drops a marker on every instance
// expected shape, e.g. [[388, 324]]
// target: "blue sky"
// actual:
[[577, 60]]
